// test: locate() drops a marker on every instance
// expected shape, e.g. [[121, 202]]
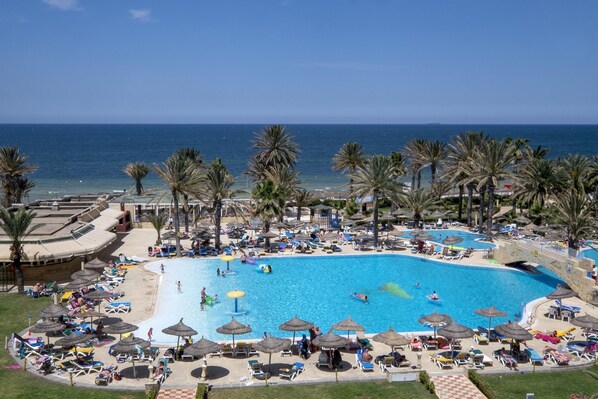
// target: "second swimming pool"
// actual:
[[319, 288]]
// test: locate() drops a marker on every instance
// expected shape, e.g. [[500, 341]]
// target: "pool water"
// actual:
[[319, 288], [469, 239], [590, 253]]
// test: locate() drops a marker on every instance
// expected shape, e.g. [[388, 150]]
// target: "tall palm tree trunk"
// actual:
[[469, 204], [413, 180], [375, 220], [217, 222], [16, 261], [177, 223], [138, 186], [490, 211], [299, 208], [186, 210], [267, 229], [460, 212], [433, 171], [482, 204], [419, 179]]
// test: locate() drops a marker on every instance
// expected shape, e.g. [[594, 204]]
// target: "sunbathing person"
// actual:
[[366, 356]]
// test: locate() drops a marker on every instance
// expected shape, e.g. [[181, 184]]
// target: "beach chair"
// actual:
[[87, 367], [505, 358], [291, 373], [461, 359], [117, 307], [547, 337], [387, 363], [106, 376], [441, 361], [566, 335], [557, 357], [481, 339], [363, 366], [324, 360], [255, 369], [415, 345], [534, 357], [149, 354]]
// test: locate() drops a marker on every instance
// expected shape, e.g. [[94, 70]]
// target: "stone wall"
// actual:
[[572, 270]]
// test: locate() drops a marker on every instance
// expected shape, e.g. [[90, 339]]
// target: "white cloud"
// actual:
[[144, 15], [64, 5]]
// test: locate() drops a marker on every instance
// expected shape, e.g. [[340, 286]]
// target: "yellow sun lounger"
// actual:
[[562, 333], [66, 296]]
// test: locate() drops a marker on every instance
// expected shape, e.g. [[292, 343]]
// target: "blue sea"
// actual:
[[78, 159]]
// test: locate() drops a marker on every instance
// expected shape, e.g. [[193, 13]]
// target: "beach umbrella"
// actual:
[[96, 264], [269, 234], [391, 338], [45, 327], [321, 207], [99, 295], [514, 331], [179, 330], [272, 345], [348, 325], [77, 284], [73, 340], [455, 331], [560, 293], [236, 294], [53, 311], [423, 237], [357, 216], [435, 320], [301, 237], [588, 322], [522, 220], [386, 218], [85, 274], [90, 313], [490, 313], [452, 240], [294, 325], [227, 259], [131, 345], [202, 348], [234, 328], [332, 341], [120, 328], [295, 222]]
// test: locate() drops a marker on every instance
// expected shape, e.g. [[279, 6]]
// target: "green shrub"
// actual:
[[202, 391], [482, 385], [424, 378]]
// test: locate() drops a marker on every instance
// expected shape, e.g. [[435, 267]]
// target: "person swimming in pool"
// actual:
[[434, 296]]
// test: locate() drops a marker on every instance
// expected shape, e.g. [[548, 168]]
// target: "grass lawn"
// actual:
[[363, 390], [545, 385], [19, 384]]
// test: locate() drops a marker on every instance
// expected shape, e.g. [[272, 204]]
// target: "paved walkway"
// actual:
[[455, 386], [177, 393]]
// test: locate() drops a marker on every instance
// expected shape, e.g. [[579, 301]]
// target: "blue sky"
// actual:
[[298, 61]]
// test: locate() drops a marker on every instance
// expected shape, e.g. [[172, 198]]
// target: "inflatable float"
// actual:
[[263, 268], [395, 289], [360, 297], [210, 301], [431, 298], [250, 261]]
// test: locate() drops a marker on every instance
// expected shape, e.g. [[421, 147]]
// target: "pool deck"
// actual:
[[141, 285]]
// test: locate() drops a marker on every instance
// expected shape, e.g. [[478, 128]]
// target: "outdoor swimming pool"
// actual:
[[319, 288], [469, 239]]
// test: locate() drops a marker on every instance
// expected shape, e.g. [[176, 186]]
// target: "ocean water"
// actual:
[[319, 288], [76, 159]]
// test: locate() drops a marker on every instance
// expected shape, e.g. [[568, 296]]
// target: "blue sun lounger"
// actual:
[[534, 357]]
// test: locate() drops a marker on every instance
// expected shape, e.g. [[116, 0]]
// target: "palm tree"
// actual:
[[433, 154], [491, 167], [194, 156], [158, 222], [267, 198], [137, 171], [573, 210], [461, 152], [302, 197], [275, 147], [181, 175], [377, 179], [577, 170], [216, 187], [417, 201], [13, 168], [17, 226], [348, 158], [415, 150], [536, 181]]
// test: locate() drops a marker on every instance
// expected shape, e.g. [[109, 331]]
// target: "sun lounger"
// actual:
[[415, 344], [87, 367], [557, 357], [255, 369], [117, 307], [547, 337], [293, 372], [363, 366], [505, 358], [481, 339], [461, 359], [441, 361], [566, 335], [106, 376], [324, 360], [534, 357], [387, 363]]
